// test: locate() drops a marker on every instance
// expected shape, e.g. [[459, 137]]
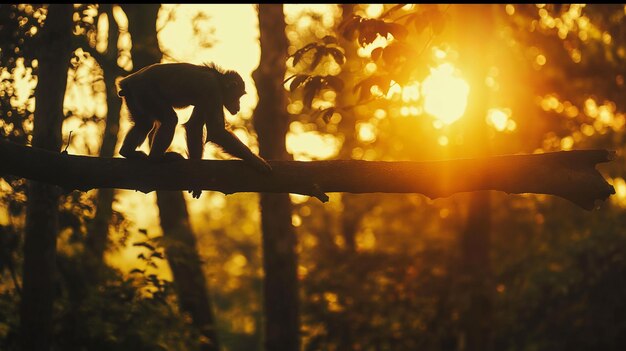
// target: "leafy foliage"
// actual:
[[400, 35], [328, 47], [312, 85]]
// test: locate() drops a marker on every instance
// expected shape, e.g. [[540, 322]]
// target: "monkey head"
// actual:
[[233, 89]]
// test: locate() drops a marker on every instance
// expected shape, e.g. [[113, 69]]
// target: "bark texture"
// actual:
[[271, 121], [43, 199], [568, 174]]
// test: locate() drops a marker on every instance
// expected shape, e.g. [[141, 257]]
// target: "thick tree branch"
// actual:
[[568, 174]]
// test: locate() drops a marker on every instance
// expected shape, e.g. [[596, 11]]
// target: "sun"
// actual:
[[445, 94]]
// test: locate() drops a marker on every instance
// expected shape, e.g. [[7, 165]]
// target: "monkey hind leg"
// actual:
[[164, 135], [135, 137]]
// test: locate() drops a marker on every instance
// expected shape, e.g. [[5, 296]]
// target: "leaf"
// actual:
[[350, 27], [327, 114], [369, 31], [367, 37], [339, 57], [397, 30], [297, 56], [437, 21], [420, 25], [289, 78], [366, 85], [365, 92], [137, 270], [408, 19], [143, 231], [376, 53], [157, 255], [363, 87], [310, 89], [295, 83], [335, 82], [321, 51], [380, 27], [393, 9], [329, 39], [396, 51], [384, 83], [315, 113], [391, 54]]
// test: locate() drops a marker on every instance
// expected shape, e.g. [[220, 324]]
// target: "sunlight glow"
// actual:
[[567, 143], [366, 240], [500, 119], [620, 192], [236, 265], [497, 118], [366, 132], [374, 10], [411, 92], [445, 95], [443, 140], [310, 145]]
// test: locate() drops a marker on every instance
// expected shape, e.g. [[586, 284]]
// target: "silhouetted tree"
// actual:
[[42, 208], [271, 121]]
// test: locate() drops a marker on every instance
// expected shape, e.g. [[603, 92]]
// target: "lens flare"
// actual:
[[445, 94]]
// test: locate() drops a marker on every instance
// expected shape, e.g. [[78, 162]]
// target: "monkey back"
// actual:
[[177, 84]]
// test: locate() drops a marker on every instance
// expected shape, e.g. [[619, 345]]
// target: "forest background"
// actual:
[[119, 269]]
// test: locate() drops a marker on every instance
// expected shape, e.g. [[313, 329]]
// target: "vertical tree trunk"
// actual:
[[350, 214], [42, 207], [475, 248], [271, 121], [349, 218], [99, 231], [189, 281], [475, 239], [182, 256]]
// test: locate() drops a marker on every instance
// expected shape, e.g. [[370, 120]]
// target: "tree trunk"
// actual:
[[189, 281], [475, 40], [42, 207], [99, 231], [475, 249], [182, 256], [271, 120], [350, 216]]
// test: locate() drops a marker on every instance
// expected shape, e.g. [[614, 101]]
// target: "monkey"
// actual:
[[152, 93]]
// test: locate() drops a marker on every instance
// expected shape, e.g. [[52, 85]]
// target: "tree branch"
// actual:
[[568, 174]]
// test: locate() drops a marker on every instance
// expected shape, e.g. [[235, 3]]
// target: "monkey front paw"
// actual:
[[195, 193], [169, 156], [173, 156]]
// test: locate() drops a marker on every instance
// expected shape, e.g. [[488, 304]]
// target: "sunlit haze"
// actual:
[[459, 169], [445, 94]]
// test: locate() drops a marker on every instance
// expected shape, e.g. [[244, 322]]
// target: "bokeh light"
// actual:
[[445, 94]]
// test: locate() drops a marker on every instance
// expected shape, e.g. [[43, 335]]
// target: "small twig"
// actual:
[[69, 140], [317, 192]]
